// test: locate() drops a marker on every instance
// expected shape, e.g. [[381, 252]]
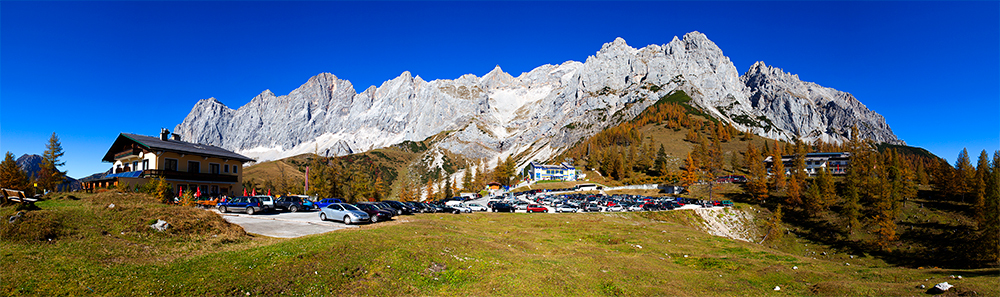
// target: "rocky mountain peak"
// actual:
[[537, 114]]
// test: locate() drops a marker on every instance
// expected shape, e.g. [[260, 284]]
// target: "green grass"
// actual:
[[621, 254]]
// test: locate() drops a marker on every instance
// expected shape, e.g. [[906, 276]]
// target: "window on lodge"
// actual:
[[194, 166], [171, 164], [214, 168]]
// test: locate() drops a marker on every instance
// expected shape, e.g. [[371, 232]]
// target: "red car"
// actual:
[[537, 208]]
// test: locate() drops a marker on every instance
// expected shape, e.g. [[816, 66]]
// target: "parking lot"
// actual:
[[283, 224]]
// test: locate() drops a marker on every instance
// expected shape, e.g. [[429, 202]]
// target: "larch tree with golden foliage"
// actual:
[[777, 168], [11, 176], [49, 175], [756, 174], [690, 174]]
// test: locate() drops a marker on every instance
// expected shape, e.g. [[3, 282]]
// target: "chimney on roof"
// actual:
[[164, 133], [174, 136]]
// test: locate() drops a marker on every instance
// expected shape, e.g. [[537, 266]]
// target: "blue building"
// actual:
[[563, 172]]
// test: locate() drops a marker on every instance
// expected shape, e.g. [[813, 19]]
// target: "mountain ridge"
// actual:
[[536, 114]]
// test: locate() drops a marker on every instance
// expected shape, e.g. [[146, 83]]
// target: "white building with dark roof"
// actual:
[[563, 172], [136, 159], [835, 163]]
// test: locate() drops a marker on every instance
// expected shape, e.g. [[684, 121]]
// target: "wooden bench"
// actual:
[[17, 196]]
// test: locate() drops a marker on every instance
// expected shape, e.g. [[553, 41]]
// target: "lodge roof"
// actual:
[[176, 146]]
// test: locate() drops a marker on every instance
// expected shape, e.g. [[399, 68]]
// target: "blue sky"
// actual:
[[90, 70]]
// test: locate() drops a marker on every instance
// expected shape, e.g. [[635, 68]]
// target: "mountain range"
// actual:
[[537, 114]]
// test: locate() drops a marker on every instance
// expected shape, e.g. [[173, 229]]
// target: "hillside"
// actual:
[[661, 253]]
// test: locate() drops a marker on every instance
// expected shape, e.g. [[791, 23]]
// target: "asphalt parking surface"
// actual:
[[283, 224]]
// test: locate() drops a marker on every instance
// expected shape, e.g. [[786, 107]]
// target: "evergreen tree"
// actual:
[[49, 176], [661, 162], [11, 176], [448, 193]]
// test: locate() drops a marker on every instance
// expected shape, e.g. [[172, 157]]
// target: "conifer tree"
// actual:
[[990, 224], [661, 161], [448, 193], [429, 190], [921, 173], [467, 180], [777, 169], [774, 225], [162, 191], [827, 189], [690, 174], [11, 176], [851, 210], [965, 176], [49, 176], [756, 174], [406, 192], [979, 186], [812, 198]]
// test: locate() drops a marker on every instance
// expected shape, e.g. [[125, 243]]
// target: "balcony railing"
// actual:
[[171, 174], [128, 153]]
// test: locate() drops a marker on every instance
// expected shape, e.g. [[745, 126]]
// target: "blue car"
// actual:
[[249, 205], [326, 202]]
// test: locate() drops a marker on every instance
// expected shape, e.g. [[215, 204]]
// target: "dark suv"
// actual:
[[289, 203], [502, 207], [401, 209], [249, 205]]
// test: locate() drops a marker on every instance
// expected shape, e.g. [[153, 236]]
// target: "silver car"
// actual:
[[566, 208], [343, 212]]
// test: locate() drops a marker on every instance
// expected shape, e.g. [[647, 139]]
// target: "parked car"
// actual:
[[475, 207], [461, 208], [566, 208], [343, 212], [249, 205], [383, 207], [401, 209], [327, 201], [431, 208], [536, 208], [289, 203], [593, 207], [727, 203], [449, 209], [651, 207], [616, 207], [522, 205], [635, 207], [502, 207], [374, 213], [267, 200]]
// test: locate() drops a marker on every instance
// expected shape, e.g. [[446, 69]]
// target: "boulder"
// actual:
[[160, 225], [939, 288]]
